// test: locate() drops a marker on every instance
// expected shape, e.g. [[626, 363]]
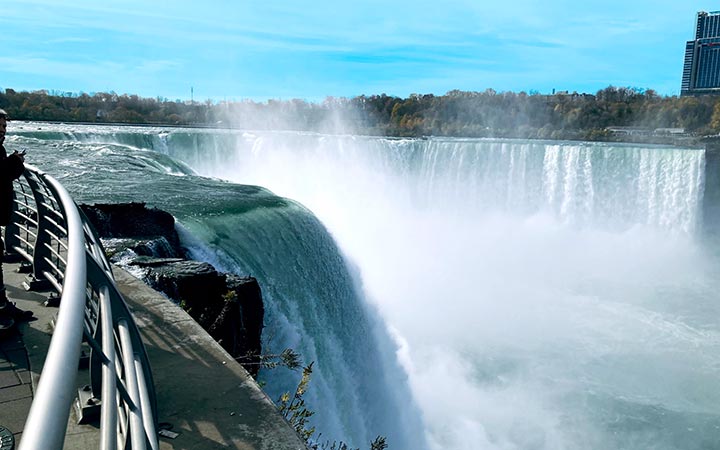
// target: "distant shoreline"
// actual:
[[613, 114]]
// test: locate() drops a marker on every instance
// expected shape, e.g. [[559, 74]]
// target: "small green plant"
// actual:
[[378, 444], [293, 408], [287, 358], [295, 412]]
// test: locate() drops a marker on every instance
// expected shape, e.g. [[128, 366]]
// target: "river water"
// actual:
[[453, 293]]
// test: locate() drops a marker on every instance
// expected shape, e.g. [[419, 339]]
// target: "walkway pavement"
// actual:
[[205, 397], [16, 377], [15, 388]]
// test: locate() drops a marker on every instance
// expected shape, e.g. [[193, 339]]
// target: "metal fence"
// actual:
[[62, 252]]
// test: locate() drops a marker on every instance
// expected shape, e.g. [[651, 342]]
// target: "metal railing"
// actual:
[[62, 252]]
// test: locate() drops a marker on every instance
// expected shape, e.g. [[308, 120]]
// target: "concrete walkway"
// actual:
[[17, 381], [203, 395]]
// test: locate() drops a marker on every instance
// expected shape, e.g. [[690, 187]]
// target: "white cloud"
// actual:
[[156, 66], [42, 66], [66, 40]]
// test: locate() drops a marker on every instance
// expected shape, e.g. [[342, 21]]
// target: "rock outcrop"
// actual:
[[227, 306], [145, 231]]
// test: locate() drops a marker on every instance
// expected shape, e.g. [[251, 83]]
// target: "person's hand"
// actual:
[[20, 155]]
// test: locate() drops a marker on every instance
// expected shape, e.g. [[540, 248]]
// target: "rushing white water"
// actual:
[[543, 295]]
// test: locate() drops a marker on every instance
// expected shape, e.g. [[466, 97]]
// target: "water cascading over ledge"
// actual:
[[618, 185], [548, 295], [520, 262], [610, 185]]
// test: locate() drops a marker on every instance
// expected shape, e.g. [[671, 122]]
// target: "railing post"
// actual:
[[96, 276], [108, 414], [41, 252], [67, 254], [138, 437], [53, 399], [12, 231]]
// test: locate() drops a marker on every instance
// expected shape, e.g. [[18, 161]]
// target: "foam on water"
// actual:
[[540, 295]]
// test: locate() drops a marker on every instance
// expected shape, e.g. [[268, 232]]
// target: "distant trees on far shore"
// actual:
[[458, 113]]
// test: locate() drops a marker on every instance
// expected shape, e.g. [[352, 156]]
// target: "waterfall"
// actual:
[[520, 279], [314, 305], [544, 295]]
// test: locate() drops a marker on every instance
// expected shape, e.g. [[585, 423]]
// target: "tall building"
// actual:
[[701, 72]]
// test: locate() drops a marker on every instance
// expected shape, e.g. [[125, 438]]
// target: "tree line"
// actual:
[[489, 113]]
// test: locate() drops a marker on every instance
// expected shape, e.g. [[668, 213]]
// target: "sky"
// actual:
[[279, 49]]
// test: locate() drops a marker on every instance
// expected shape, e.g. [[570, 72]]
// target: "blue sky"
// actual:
[[263, 49]]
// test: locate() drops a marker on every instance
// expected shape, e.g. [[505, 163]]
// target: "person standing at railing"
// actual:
[[11, 167]]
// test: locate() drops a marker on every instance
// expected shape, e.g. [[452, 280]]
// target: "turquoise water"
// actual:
[[454, 293]]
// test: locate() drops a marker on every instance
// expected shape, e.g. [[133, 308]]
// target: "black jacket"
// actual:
[[11, 167]]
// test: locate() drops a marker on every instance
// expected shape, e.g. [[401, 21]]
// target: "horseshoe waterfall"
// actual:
[[453, 293]]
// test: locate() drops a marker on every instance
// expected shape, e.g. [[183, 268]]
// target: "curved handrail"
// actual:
[[50, 232]]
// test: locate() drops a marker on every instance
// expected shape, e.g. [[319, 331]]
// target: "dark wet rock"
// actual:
[[115, 248], [196, 285], [246, 304], [150, 261], [151, 228], [228, 306], [157, 247]]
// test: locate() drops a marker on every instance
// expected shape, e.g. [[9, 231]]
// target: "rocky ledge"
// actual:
[[227, 306]]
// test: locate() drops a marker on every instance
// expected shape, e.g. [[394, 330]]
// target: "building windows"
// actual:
[[701, 69]]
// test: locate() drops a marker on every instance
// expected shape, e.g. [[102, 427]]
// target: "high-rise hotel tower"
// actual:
[[701, 73]]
